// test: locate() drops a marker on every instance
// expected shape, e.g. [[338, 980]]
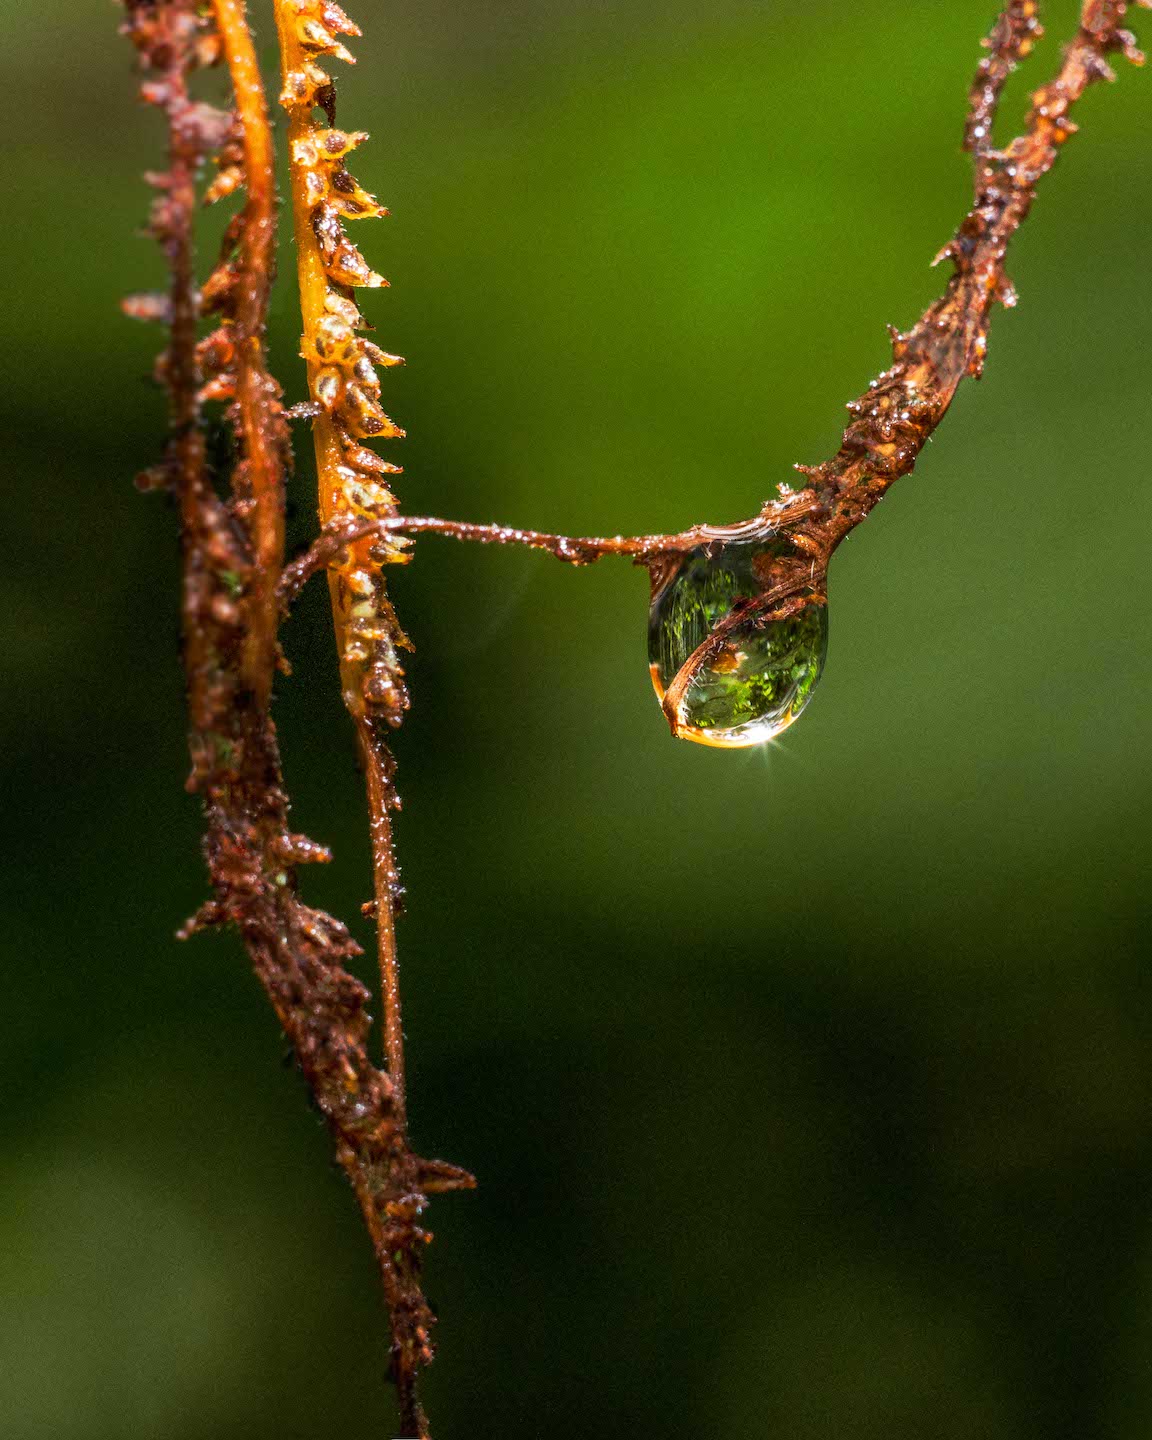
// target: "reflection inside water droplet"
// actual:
[[758, 677]]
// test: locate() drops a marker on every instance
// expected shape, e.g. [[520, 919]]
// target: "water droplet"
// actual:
[[756, 677]]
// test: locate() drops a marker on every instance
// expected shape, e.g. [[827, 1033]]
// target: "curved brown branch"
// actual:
[[897, 415]]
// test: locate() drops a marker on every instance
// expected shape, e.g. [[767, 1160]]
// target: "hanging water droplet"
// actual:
[[757, 676]]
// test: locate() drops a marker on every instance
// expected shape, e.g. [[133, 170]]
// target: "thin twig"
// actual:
[[573, 550]]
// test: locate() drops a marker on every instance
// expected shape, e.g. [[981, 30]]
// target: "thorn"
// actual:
[[230, 178], [437, 1177], [209, 915], [1131, 50], [305, 410], [149, 305], [299, 850], [156, 477], [336, 18], [381, 357], [220, 387]]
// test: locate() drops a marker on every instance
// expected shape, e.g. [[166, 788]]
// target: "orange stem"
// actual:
[[331, 466], [257, 395]]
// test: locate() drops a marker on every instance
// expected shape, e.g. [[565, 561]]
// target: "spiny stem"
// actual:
[[344, 405], [182, 376], [355, 585], [896, 416], [337, 363], [313, 289]]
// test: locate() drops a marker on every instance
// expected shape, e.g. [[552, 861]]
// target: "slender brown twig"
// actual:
[[573, 549]]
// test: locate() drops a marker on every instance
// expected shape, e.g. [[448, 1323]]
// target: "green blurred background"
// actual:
[[809, 1089]]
